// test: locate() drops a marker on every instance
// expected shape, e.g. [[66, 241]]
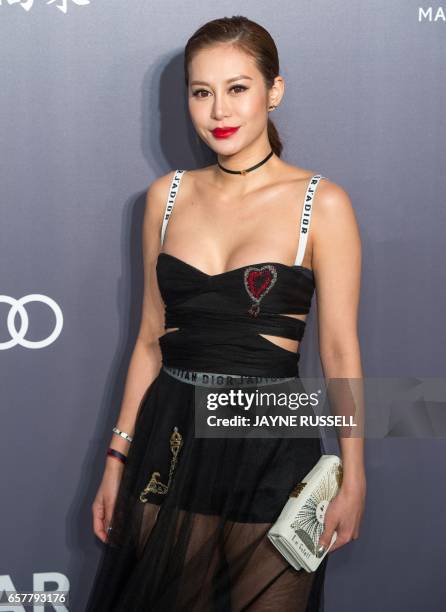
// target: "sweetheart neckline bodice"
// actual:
[[263, 263]]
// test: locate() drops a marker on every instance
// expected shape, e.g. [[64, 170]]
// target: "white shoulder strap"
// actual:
[[171, 200], [306, 218]]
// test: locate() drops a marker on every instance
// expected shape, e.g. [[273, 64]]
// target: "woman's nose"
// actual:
[[220, 107]]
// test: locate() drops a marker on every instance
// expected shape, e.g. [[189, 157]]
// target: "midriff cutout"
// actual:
[[294, 316], [285, 343]]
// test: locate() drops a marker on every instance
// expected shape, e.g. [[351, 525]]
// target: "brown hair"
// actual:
[[249, 37]]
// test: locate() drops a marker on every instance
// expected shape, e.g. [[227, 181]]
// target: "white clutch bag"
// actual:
[[296, 532]]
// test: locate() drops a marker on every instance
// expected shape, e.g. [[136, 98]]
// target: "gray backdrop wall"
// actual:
[[92, 110]]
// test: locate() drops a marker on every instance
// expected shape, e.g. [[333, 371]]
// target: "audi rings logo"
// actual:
[[18, 308]]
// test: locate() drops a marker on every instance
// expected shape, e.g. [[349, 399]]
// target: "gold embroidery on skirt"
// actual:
[[156, 486]]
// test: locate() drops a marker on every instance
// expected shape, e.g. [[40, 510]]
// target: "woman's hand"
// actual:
[[105, 500], [344, 513]]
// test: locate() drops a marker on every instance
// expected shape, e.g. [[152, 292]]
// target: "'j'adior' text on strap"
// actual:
[[306, 218], [171, 200]]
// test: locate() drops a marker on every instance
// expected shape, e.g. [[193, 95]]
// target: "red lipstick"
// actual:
[[224, 132]]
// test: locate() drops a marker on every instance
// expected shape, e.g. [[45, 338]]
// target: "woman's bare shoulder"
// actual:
[[158, 193], [332, 198], [162, 183], [330, 195], [155, 201], [332, 205], [333, 212]]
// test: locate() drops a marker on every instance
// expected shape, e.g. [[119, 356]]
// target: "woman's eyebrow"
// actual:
[[237, 78]]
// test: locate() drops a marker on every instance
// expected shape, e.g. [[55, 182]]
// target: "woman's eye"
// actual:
[[197, 92]]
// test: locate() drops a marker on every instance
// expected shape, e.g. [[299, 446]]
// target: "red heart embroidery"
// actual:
[[258, 281]]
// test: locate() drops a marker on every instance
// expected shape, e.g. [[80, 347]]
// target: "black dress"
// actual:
[[191, 516]]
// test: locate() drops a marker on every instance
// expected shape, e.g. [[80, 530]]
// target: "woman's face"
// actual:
[[226, 89]]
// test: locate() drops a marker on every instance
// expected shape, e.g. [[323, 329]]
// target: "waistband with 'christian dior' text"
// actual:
[[212, 379]]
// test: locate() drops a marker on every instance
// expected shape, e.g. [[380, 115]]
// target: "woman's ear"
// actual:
[[276, 92]]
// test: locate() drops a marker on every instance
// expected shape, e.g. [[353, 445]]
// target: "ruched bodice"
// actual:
[[220, 317]]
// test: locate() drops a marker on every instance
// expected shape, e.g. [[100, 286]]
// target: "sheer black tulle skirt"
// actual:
[[197, 541]]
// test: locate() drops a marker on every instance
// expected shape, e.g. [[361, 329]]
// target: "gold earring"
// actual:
[[272, 107]]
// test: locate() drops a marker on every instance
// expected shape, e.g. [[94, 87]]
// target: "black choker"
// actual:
[[243, 172]]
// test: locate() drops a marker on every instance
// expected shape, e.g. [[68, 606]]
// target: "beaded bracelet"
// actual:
[[122, 434], [114, 453]]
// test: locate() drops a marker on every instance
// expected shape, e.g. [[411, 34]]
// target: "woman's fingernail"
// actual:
[[320, 551]]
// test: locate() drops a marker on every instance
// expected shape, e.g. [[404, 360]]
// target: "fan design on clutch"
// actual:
[[308, 524]]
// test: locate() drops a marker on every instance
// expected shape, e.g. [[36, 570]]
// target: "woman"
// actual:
[[185, 518]]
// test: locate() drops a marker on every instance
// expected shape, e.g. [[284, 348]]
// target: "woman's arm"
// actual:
[[145, 361], [336, 261]]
